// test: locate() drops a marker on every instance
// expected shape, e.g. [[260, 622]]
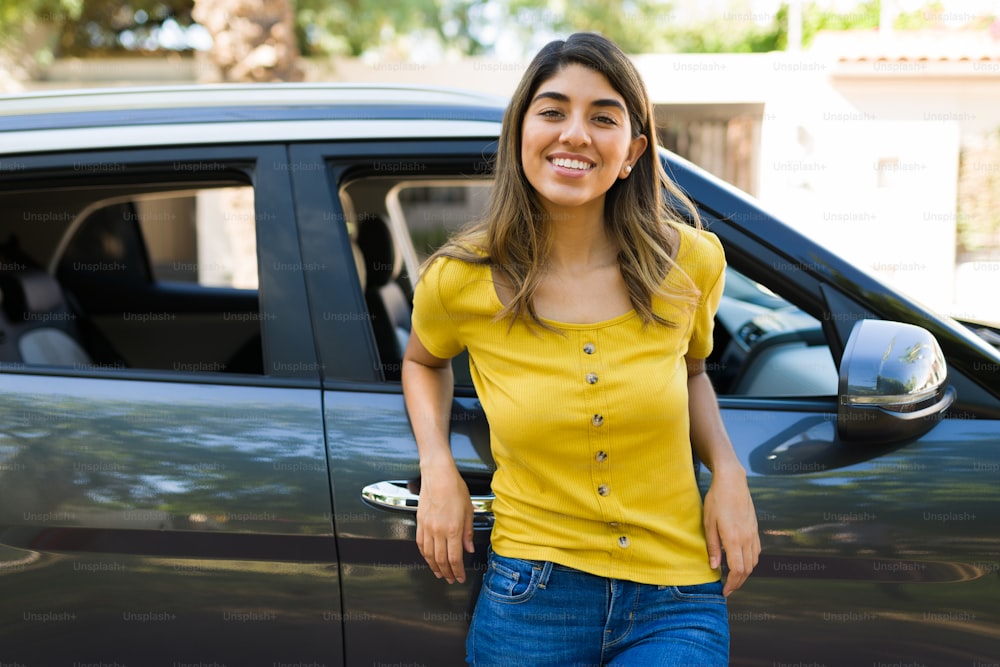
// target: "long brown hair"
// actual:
[[514, 237]]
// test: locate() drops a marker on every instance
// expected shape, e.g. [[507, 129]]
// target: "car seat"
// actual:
[[388, 307], [38, 328]]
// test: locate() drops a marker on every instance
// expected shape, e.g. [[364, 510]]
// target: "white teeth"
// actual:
[[570, 164]]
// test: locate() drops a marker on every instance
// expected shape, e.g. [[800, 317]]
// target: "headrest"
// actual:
[[375, 242], [29, 292]]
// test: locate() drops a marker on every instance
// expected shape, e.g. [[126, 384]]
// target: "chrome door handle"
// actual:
[[395, 494]]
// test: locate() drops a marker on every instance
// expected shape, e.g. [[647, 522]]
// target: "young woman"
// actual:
[[586, 304]]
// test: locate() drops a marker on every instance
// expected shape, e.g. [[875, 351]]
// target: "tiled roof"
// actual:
[[938, 45]]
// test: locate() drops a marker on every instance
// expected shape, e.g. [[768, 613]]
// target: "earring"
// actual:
[[628, 169]]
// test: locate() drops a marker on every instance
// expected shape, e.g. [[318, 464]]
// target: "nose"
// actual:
[[575, 131]]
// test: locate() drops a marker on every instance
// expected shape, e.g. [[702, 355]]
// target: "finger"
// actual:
[[469, 532], [455, 556], [738, 558], [422, 547], [733, 584], [425, 544], [444, 561], [427, 551], [714, 543], [736, 576]]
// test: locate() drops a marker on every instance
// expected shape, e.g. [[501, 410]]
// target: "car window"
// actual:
[[434, 210], [764, 345], [395, 224], [205, 236], [157, 272]]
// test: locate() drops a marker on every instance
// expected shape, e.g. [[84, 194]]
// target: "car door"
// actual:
[[164, 498], [395, 610], [876, 550]]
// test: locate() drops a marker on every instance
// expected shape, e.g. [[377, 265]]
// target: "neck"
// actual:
[[579, 240]]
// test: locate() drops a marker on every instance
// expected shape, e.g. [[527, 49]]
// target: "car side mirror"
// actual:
[[893, 383]]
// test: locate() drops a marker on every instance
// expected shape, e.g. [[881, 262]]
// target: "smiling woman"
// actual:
[[581, 283], [577, 141]]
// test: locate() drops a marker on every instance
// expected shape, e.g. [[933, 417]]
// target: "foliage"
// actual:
[[15, 14], [636, 25], [464, 27], [108, 26], [351, 27], [28, 36], [735, 32], [473, 27], [728, 34], [88, 27]]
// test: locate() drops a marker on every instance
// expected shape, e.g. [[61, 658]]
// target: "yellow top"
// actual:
[[588, 426]]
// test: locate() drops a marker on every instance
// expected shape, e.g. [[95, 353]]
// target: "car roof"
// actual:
[[228, 113], [63, 106]]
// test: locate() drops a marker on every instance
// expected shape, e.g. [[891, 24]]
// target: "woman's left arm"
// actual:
[[730, 518]]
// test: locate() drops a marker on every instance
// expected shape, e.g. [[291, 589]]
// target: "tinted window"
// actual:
[[205, 237], [156, 273]]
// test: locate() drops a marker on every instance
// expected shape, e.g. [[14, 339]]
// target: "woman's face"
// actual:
[[576, 139]]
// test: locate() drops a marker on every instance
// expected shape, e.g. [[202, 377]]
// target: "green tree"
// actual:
[[466, 27], [16, 15], [638, 26], [28, 35], [351, 27], [732, 32], [109, 27], [320, 27]]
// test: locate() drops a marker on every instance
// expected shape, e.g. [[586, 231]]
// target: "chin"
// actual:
[[563, 200]]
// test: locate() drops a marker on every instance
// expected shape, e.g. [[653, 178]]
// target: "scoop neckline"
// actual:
[[580, 326]]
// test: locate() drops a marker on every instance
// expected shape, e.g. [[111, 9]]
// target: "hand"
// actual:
[[444, 523], [731, 525]]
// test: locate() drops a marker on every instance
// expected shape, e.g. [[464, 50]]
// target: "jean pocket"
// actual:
[[710, 592], [511, 580]]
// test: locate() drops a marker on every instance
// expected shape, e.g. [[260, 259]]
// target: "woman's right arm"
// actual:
[[444, 515]]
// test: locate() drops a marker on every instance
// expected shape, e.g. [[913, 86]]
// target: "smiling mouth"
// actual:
[[571, 164]]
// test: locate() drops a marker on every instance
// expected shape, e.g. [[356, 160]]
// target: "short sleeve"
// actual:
[[431, 320], [712, 282]]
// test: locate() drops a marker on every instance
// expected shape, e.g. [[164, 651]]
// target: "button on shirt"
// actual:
[[589, 423]]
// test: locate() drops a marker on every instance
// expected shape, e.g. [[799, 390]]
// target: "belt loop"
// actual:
[[546, 573]]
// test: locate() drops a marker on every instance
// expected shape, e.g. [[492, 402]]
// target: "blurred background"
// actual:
[[873, 126]]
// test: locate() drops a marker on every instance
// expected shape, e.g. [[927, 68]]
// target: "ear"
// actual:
[[635, 150]]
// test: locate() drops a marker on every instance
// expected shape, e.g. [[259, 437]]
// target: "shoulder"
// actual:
[[444, 268], [451, 277], [699, 253], [699, 241]]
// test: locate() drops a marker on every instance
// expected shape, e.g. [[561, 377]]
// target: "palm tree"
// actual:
[[253, 40]]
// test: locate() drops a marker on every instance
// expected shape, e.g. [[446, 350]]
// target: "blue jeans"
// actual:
[[546, 615]]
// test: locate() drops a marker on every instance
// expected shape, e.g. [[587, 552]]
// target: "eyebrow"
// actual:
[[559, 97]]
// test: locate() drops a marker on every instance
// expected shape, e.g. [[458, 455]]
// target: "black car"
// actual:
[[204, 453]]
